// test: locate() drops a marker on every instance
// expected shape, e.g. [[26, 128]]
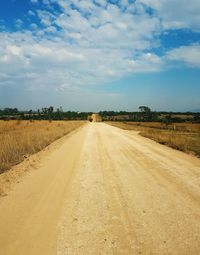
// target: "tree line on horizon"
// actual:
[[45, 113], [144, 113]]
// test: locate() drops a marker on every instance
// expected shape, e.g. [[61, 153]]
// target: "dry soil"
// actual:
[[104, 190]]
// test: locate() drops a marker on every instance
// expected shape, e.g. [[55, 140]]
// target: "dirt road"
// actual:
[[105, 191]]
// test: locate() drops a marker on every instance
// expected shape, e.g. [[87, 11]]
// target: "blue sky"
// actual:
[[93, 55]]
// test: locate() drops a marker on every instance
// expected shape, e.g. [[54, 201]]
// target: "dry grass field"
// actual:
[[181, 136], [22, 138]]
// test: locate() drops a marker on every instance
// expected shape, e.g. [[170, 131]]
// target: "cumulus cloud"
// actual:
[[187, 54], [53, 64], [89, 42], [18, 23], [176, 14]]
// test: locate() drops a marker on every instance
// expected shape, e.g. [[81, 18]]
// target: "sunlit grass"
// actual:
[[181, 136], [18, 139]]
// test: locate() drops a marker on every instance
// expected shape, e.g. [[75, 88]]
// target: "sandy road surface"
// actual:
[[105, 191]]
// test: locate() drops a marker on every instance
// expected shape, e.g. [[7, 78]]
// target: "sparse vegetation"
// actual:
[[145, 114], [181, 136], [46, 113], [20, 138]]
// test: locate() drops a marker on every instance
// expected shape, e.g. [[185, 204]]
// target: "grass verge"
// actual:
[[19, 139], [184, 136]]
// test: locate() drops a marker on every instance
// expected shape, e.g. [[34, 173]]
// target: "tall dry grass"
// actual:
[[184, 127], [181, 136], [187, 142], [18, 139]]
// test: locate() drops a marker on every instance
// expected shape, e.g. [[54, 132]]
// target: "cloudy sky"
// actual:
[[93, 55]]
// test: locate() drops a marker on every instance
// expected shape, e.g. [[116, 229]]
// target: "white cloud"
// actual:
[[33, 26], [177, 14], [187, 54], [18, 23], [46, 18], [108, 28], [92, 43], [31, 13], [53, 64], [101, 2]]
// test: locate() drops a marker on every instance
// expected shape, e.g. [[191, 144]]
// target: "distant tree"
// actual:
[[58, 114], [146, 113], [10, 111], [145, 109], [50, 110]]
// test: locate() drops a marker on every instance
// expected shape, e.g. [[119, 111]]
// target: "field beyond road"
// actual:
[[104, 190]]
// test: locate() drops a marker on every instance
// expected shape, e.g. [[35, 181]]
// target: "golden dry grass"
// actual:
[[183, 127], [181, 136], [18, 139]]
